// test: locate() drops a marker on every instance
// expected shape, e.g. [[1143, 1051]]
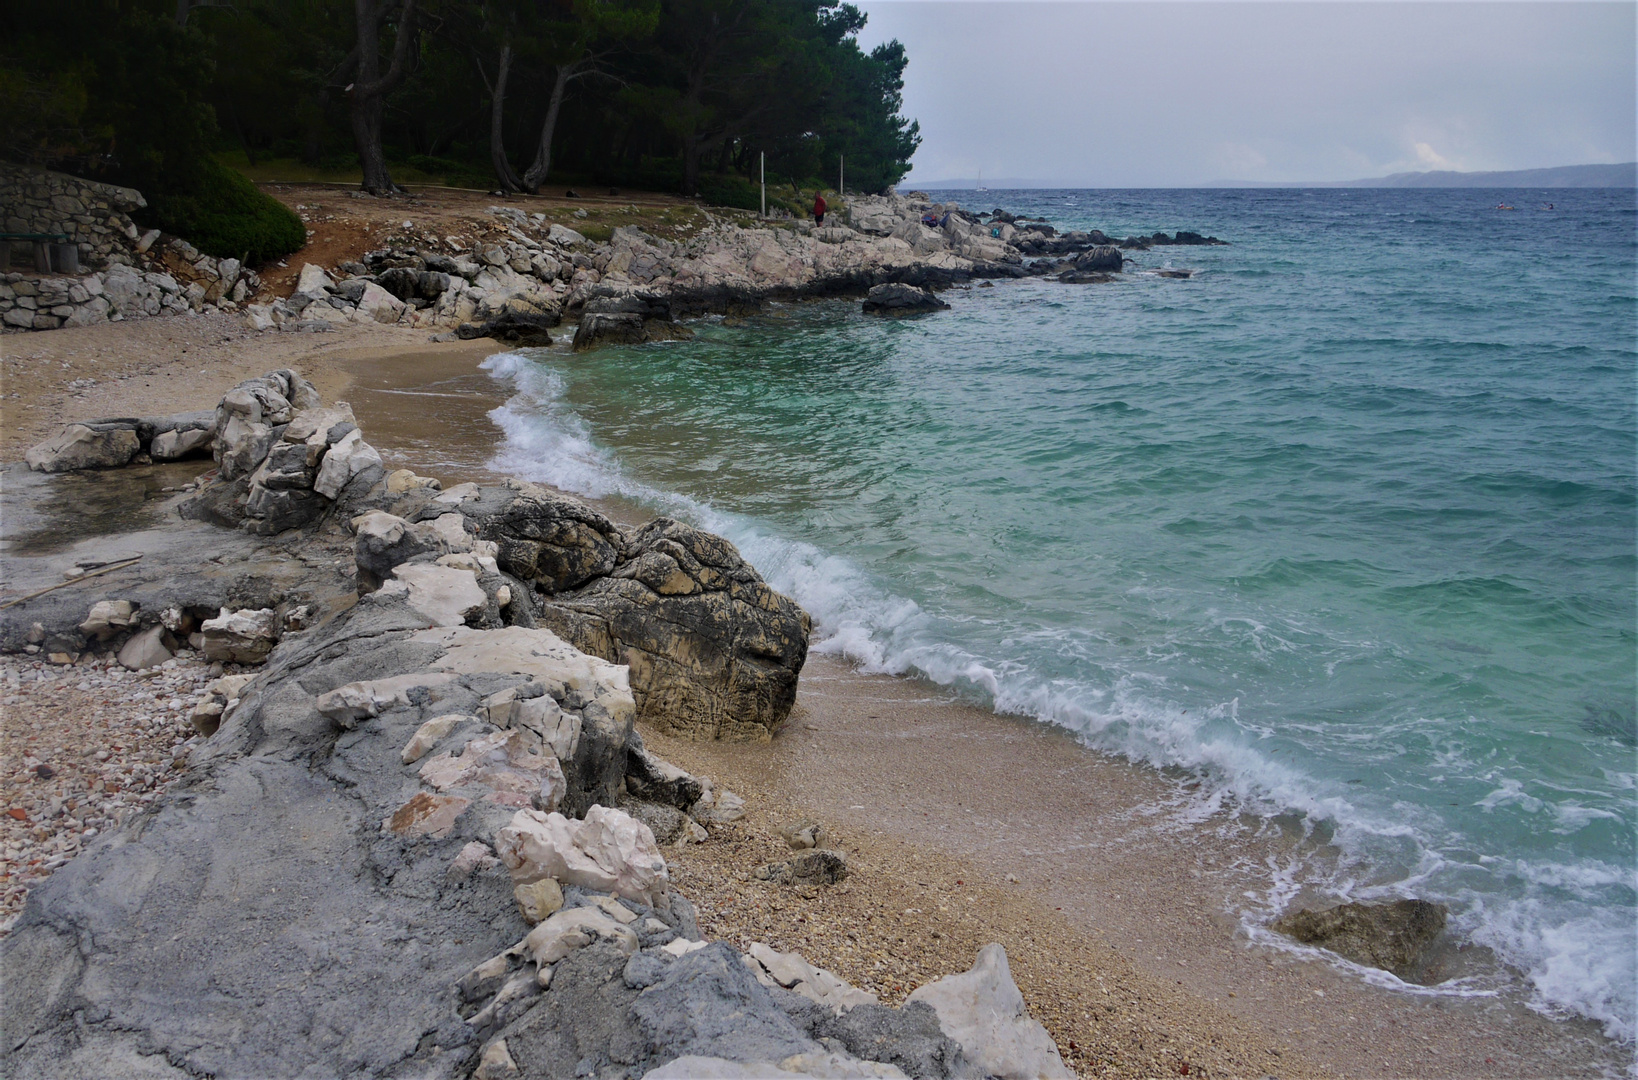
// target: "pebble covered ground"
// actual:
[[906, 916], [82, 748]]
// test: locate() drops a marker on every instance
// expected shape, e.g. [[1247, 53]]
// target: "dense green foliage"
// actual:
[[222, 213], [680, 95], [119, 90]]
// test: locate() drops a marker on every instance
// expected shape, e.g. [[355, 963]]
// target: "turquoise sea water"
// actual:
[[1345, 524]]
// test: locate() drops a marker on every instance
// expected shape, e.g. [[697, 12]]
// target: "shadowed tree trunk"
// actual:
[[497, 110], [367, 95], [536, 174]]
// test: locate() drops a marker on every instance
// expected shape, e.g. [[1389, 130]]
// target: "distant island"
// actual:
[[1563, 176]]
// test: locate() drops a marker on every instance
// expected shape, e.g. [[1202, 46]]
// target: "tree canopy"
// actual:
[[680, 95]]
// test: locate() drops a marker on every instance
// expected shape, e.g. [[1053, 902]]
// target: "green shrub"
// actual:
[[223, 214], [734, 191]]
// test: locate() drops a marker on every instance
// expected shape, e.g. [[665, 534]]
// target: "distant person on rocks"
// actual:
[[819, 208]]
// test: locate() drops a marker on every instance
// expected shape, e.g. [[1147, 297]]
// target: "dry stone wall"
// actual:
[[96, 217], [134, 273]]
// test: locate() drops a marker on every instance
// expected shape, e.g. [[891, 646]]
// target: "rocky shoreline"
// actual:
[[517, 274], [530, 273], [416, 831]]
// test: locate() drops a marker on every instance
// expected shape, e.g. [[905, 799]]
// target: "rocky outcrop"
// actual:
[[608, 328], [1104, 257], [412, 821], [714, 652], [111, 443], [283, 458], [1394, 936], [900, 299]]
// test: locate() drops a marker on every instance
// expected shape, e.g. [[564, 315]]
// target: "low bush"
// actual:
[[223, 214]]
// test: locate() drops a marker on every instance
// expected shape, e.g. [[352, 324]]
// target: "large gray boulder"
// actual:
[[714, 652], [1104, 257], [609, 328], [552, 540], [524, 319], [1393, 936], [96, 444]]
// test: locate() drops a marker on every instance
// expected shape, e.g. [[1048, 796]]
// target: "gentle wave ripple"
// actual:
[[1344, 524]]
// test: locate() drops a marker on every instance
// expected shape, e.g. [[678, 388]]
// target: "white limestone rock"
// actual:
[[983, 1011], [539, 654], [379, 304], [570, 929], [503, 762], [444, 595], [107, 618], [347, 705], [495, 1063], [538, 900], [242, 637], [145, 650], [428, 734], [562, 234], [313, 282], [795, 974], [609, 851], [350, 456], [83, 446], [828, 1065], [175, 445]]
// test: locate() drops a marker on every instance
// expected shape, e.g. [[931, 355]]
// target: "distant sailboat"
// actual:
[[979, 184]]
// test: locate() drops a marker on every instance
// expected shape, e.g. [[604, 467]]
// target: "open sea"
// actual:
[[1343, 525]]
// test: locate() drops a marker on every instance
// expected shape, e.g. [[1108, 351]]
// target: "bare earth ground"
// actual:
[[343, 222], [961, 827]]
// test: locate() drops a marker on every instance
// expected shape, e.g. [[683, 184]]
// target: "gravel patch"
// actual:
[[84, 748], [907, 915]]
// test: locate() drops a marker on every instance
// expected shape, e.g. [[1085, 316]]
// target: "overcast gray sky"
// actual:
[[1178, 93]]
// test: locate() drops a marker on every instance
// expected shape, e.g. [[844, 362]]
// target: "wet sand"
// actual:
[[1122, 920]]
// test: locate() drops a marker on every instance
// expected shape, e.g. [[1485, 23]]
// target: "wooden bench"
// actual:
[[52, 252]]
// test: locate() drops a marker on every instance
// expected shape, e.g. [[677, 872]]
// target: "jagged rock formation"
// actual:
[[714, 652], [403, 845]]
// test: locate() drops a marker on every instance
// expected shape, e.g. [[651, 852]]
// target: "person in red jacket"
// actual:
[[819, 208]]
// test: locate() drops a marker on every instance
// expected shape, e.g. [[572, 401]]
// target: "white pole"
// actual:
[[841, 165], [764, 171]]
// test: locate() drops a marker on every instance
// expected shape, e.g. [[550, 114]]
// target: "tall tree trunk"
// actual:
[[497, 140], [372, 159], [369, 90], [536, 174]]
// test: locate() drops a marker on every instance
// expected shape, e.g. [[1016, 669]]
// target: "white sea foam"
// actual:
[[1579, 957]]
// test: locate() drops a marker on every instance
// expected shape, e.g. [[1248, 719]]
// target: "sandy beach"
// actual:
[[962, 827]]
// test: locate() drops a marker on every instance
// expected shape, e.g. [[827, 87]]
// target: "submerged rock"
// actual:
[[896, 298], [1393, 936]]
